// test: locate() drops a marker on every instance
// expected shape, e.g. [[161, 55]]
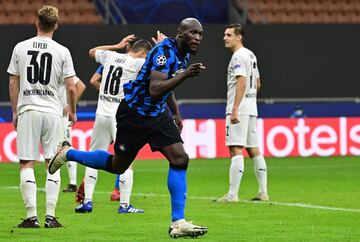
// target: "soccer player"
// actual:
[[243, 83], [117, 70], [39, 67], [71, 165], [91, 173], [142, 117]]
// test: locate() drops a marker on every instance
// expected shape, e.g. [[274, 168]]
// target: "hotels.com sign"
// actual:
[[205, 138]]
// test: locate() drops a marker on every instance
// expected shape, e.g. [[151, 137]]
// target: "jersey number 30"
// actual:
[[39, 72]]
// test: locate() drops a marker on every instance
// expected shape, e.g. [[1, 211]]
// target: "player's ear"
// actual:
[[56, 27], [239, 37], [180, 34]]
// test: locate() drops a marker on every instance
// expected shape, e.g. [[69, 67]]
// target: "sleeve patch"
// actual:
[[161, 60]]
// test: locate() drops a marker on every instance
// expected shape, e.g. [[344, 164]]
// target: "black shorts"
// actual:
[[135, 130]]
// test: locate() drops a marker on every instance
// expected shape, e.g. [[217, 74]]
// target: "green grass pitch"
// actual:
[[312, 199]]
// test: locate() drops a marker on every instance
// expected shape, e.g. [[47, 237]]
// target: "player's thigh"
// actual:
[[28, 135], [164, 133], [236, 134], [252, 136], [52, 134], [102, 134], [131, 132]]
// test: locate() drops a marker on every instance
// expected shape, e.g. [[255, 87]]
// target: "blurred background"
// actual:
[[307, 50]]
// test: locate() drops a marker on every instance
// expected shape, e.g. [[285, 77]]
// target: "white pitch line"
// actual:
[[299, 205]]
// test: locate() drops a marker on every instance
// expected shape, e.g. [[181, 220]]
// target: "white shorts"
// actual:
[[38, 128], [104, 132], [243, 133]]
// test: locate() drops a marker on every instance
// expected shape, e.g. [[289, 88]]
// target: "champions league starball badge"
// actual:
[[161, 60]]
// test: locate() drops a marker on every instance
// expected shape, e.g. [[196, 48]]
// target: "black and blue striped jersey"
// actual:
[[165, 57]]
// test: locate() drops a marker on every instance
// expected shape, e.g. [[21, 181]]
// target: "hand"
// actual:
[[124, 42], [72, 118], [234, 118], [178, 122], [194, 69], [159, 37], [15, 120], [66, 110]]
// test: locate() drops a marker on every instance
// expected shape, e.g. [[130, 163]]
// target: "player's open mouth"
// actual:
[[194, 46]]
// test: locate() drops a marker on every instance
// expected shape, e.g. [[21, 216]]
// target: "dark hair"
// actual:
[[141, 44], [48, 17], [239, 29], [132, 42]]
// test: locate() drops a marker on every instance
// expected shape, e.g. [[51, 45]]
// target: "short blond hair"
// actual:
[[48, 17]]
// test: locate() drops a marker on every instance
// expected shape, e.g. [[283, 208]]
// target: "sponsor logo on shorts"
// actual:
[[122, 147]]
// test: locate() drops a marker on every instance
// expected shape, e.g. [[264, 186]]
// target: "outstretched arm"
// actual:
[[159, 84]]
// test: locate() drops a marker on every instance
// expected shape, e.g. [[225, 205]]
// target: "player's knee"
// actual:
[[181, 162], [122, 169], [117, 164]]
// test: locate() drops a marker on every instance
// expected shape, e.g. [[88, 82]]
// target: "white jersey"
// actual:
[[42, 65], [118, 70], [243, 63]]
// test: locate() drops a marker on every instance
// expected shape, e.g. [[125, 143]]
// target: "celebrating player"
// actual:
[[142, 117]]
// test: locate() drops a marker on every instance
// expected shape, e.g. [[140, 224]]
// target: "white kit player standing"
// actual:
[[39, 67], [118, 69], [243, 82]]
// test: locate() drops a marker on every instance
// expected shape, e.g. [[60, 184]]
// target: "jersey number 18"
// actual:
[[112, 83]]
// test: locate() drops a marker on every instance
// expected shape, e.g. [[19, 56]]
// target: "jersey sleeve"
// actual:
[[102, 55], [239, 66], [100, 69], [68, 68], [14, 63], [162, 60]]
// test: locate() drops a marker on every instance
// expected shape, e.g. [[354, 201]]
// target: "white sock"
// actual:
[[28, 190], [52, 189], [90, 180], [125, 185], [236, 173], [261, 173], [71, 165]]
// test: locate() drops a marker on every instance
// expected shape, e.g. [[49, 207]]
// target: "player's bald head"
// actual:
[[188, 23], [189, 35]]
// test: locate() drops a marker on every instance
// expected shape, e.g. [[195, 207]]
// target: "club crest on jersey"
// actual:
[[237, 66], [161, 60]]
